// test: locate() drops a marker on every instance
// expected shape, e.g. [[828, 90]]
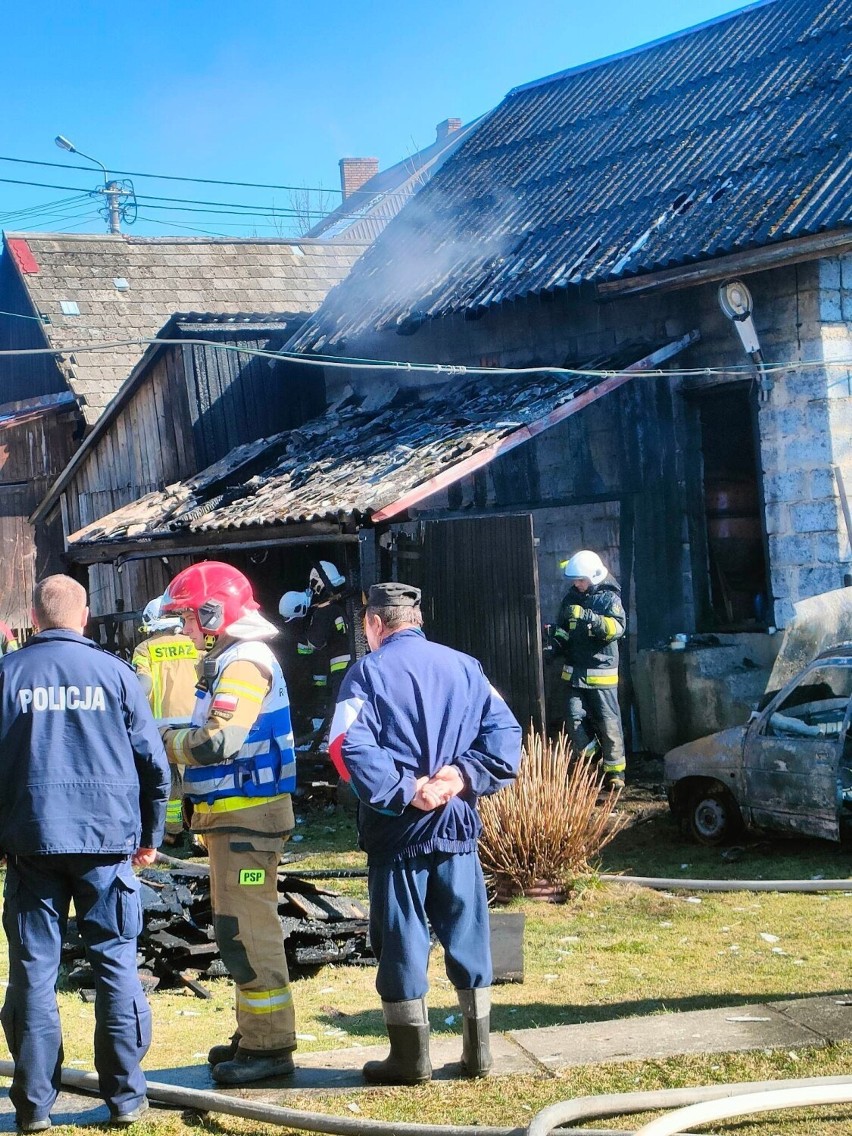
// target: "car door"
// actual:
[[793, 751]]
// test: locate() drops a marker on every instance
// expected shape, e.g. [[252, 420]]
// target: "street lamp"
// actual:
[[111, 189]]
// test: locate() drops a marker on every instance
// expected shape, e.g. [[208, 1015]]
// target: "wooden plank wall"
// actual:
[[31, 457]]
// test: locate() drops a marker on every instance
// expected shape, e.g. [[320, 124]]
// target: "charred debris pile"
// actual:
[[177, 947]]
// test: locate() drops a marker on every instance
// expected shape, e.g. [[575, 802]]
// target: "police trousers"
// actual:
[[244, 895], [39, 890], [596, 713], [445, 889]]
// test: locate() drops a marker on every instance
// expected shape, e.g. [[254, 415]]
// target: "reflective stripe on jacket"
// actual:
[[258, 715]]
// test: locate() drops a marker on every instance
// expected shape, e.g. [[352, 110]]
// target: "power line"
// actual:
[[231, 208], [448, 369], [175, 177]]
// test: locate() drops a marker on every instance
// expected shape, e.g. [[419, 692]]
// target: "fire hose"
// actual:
[[812, 1090]]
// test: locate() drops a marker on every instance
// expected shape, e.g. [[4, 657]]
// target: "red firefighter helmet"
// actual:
[[218, 593]]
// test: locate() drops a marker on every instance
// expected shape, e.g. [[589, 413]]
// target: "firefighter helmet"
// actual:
[[585, 565], [217, 593], [294, 605], [153, 619], [325, 577]]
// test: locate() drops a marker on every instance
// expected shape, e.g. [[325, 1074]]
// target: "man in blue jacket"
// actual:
[[420, 734], [85, 785]]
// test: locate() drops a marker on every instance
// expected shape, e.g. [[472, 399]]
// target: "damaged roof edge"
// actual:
[[526, 433]]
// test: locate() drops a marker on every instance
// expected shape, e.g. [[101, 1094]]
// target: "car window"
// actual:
[[815, 707]]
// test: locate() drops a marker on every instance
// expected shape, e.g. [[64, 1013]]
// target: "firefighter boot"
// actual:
[[226, 1052], [408, 1032], [247, 1067], [476, 1025]]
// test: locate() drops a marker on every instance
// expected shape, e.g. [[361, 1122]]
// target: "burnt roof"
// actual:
[[163, 275], [729, 136], [370, 456]]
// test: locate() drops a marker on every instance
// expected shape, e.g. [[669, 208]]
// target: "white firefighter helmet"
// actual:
[[585, 565], [153, 620], [333, 579], [294, 605]]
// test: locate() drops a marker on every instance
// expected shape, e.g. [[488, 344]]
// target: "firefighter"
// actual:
[[293, 607], [325, 643], [240, 771], [166, 664], [420, 734], [591, 620], [8, 642]]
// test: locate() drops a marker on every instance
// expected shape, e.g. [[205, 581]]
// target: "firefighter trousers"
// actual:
[[445, 889], [596, 713], [244, 895], [38, 893]]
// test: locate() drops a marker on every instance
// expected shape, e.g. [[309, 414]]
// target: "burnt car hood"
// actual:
[[819, 622], [713, 756]]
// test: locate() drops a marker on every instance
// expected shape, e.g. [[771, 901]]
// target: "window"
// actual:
[[815, 707]]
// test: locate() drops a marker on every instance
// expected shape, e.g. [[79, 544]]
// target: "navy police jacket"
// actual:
[[82, 766], [405, 711]]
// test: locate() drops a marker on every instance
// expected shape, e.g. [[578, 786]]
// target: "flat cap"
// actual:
[[393, 594]]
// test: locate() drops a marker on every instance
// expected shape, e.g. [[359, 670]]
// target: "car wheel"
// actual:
[[713, 815]]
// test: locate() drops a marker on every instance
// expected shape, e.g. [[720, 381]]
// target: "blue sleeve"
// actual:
[[152, 767], [492, 762], [376, 779]]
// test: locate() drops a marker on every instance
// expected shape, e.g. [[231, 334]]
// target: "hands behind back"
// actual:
[[433, 792]]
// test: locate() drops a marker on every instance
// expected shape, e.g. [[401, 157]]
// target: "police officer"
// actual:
[[421, 735], [240, 771], [8, 642], [591, 620], [325, 643], [85, 782], [166, 664]]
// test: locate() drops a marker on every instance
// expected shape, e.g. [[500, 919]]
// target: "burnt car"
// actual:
[[788, 770]]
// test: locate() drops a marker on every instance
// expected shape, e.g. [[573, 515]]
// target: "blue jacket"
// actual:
[[403, 712], [82, 765]]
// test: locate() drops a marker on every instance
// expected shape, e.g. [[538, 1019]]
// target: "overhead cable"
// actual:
[[744, 370]]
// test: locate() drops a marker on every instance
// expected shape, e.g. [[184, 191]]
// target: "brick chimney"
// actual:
[[354, 172], [447, 127]]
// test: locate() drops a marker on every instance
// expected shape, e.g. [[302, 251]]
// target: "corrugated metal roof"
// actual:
[[351, 463], [165, 275], [730, 136]]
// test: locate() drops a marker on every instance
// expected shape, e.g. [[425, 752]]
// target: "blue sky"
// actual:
[[273, 92]]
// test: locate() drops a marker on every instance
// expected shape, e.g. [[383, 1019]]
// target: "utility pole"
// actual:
[[113, 191]]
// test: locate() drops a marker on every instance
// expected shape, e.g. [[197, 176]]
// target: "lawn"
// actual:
[[611, 951]]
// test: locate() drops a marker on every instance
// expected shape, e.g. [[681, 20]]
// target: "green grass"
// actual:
[[612, 951]]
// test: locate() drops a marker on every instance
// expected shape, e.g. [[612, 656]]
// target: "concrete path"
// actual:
[[798, 1024]]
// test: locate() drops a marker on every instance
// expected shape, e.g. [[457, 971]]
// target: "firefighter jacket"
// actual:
[[8, 642], [326, 642], [239, 751], [81, 761], [404, 712], [167, 665], [588, 641]]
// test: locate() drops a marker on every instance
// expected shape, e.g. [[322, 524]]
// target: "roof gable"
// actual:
[[730, 136], [78, 282]]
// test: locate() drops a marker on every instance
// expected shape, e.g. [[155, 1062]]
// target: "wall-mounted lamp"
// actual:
[[736, 303]]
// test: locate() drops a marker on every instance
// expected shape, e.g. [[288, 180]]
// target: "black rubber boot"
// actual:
[[476, 1031], [226, 1052], [249, 1067], [408, 1032]]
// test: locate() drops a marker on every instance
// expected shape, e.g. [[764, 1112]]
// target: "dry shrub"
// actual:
[[547, 826]]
